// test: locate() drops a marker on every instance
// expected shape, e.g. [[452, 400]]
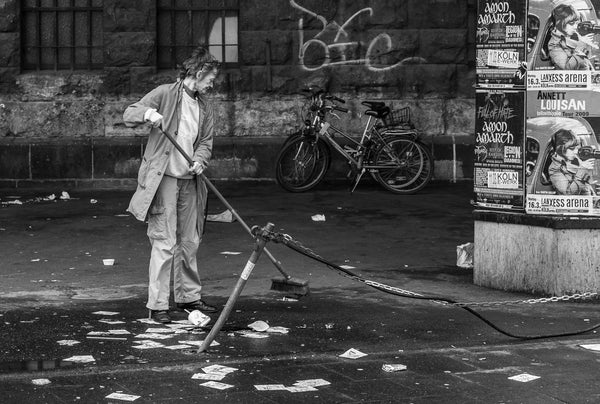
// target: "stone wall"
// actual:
[[66, 125]]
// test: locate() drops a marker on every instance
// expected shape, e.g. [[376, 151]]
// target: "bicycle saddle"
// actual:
[[378, 113], [374, 104]]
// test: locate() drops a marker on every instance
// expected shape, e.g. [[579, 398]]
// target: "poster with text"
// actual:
[[563, 35], [501, 43], [499, 146]]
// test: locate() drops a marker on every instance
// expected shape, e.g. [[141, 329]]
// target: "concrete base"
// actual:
[[553, 255]]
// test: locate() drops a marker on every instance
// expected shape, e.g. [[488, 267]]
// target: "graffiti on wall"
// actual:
[[341, 46]]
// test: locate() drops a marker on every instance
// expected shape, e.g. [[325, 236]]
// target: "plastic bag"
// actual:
[[464, 255]]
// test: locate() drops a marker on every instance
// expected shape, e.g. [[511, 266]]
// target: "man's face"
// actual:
[[204, 81]]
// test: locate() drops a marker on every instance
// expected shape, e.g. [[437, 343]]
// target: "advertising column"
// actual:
[[500, 105], [563, 109]]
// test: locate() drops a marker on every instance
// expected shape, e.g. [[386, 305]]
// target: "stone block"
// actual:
[[129, 16], [14, 161], [114, 127], [9, 49], [65, 120], [64, 161], [253, 47], [441, 46], [257, 15], [48, 86], [117, 159], [8, 80], [427, 81], [425, 14], [460, 116], [144, 79], [122, 49], [465, 82], [268, 118], [116, 81], [9, 11]]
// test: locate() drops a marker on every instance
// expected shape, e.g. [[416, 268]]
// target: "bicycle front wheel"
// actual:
[[302, 164], [403, 165]]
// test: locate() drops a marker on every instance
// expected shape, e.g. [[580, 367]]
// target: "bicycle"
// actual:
[[389, 148]]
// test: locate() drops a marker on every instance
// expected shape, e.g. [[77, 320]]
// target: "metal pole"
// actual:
[[260, 246]]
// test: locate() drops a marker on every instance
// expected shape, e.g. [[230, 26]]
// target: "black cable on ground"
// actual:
[[358, 278]]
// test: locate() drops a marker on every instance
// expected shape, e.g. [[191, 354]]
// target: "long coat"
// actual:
[[166, 99]]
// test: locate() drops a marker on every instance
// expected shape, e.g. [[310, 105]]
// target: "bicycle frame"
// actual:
[[366, 135]]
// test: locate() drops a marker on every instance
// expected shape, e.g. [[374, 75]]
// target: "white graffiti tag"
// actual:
[[341, 44]]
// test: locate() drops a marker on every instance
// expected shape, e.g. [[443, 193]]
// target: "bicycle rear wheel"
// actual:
[[302, 164], [404, 165]]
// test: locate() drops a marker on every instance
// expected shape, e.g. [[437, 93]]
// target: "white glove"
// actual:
[[153, 116]]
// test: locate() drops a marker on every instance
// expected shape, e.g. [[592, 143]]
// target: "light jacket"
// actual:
[[568, 178], [565, 52], [166, 99]]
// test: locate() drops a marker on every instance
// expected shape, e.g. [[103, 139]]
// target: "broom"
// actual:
[[286, 283]]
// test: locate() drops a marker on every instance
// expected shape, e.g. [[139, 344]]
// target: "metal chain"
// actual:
[[286, 239]]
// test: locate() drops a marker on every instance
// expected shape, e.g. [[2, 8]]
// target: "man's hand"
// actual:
[[154, 117], [196, 168]]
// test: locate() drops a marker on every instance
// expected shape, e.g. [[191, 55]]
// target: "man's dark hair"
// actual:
[[201, 59]]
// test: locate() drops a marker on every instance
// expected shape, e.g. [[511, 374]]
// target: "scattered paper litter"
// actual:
[[312, 382], [50, 197], [80, 359], [175, 347], [65, 195], [147, 344], [524, 377], [147, 321], [278, 330], [288, 299], [318, 218], [106, 338], [259, 326], [209, 376], [119, 332], [68, 342], [154, 335], [92, 201], [15, 202], [300, 389], [219, 369], [591, 347], [253, 334], [122, 396], [35, 260], [217, 385], [111, 322], [121, 215], [464, 255], [269, 387], [160, 330], [230, 252], [347, 267], [394, 367], [40, 382], [198, 343], [106, 313], [225, 217], [352, 354]]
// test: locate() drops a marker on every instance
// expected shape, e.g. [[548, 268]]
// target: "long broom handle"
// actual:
[[227, 205]]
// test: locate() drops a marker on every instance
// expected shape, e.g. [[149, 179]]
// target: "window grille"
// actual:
[[182, 25], [61, 34]]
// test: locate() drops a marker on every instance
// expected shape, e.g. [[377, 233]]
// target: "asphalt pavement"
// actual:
[[76, 330]]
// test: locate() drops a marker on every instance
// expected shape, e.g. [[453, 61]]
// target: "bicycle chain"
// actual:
[[286, 239]]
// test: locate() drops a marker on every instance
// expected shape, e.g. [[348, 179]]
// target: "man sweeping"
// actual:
[[170, 193]]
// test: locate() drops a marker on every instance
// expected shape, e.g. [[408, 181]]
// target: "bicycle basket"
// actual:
[[398, 117]]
